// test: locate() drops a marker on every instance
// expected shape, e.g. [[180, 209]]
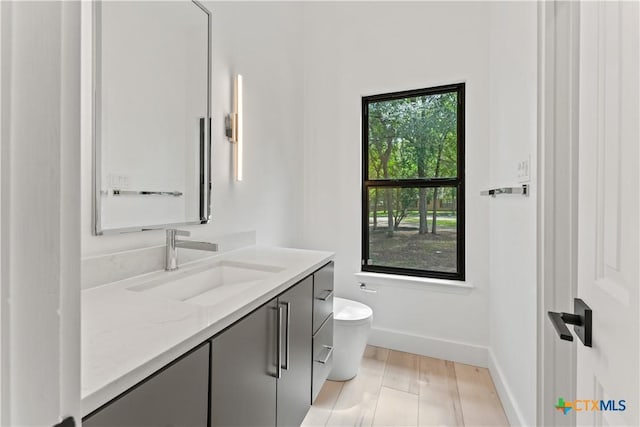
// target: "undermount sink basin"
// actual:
[[211, 285]]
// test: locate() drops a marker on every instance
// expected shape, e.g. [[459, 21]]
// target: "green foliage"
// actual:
[[413, 138], [404, 199], [409, 137]]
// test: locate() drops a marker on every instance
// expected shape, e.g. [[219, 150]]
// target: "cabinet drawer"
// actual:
[[322, 356], [322, 295]]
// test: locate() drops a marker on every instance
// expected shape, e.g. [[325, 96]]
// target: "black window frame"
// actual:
[[458, 183]]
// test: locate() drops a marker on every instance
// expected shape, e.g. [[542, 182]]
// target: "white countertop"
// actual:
[[127, 336]]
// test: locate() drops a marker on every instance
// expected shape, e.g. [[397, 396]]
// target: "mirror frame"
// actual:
[[205, 136]]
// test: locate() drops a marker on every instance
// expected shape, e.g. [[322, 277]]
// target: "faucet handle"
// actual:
[[172, 232]]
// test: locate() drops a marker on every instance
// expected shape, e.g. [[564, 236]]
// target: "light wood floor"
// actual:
[[402, 389]]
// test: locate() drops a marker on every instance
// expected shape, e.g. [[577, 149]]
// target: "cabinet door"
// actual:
[[243, 369], [294, 386], [175, 397]]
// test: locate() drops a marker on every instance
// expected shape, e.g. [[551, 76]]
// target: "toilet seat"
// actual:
[[348, 312]]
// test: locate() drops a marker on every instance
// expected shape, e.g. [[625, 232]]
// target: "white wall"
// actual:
[[356, 49], [40, 211], [262, 42], [512, 249]]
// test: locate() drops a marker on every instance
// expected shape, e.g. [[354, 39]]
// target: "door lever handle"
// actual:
[[581, 321], [559, 321]]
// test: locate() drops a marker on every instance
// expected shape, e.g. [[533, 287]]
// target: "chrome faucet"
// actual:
[[171, 250]]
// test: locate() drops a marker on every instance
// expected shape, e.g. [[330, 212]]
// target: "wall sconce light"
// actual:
[[233, 125]]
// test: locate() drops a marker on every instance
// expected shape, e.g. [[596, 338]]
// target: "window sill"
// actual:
[[411, 282]]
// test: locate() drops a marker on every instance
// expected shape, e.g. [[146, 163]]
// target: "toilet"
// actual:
[[352, 323]]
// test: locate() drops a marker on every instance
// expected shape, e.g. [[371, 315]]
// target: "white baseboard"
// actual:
[[470, 354], [511, 407]]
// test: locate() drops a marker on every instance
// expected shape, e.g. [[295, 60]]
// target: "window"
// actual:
[[413, 182]]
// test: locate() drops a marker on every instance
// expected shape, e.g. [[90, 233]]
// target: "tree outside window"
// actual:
[[413, 182]]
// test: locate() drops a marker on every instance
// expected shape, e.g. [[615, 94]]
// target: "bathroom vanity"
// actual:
[[170, 348], [240, 338]]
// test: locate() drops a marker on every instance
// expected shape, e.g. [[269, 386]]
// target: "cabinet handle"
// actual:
[[288, 322], [327, 296], [279, 344], [329, 353]]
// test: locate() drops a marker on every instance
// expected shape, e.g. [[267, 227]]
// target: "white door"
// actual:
[[608, 214]]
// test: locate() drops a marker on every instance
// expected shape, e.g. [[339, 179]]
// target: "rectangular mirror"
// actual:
[[152, 125]]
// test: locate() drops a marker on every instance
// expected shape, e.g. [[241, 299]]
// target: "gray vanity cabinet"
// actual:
[[322, 296], [260, 371], [174, 397], [295, 381], [322, 327], [247, 387], [243, 369]]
